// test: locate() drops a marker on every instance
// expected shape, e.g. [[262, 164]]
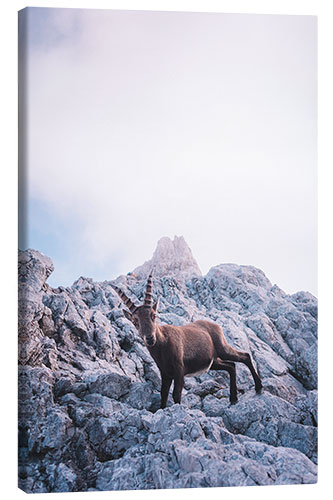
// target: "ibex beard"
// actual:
[[187, 350]]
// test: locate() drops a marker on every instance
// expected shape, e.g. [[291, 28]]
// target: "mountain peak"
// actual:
[[170, 256]]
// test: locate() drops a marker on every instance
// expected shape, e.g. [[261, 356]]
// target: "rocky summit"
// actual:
[[89, 416]]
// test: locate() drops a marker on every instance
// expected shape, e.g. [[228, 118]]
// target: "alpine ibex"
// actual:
[[189, 350]]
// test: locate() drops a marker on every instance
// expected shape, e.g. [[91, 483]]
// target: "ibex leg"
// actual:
[[230, 367], [178, 387], [165, 388], [230, 354]]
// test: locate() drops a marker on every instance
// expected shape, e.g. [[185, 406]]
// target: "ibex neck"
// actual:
[[159, 334]]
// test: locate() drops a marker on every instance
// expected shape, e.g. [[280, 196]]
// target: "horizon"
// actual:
[[55, 285], [144, 124]]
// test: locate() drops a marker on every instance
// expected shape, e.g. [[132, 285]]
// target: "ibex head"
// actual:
[[143, 317]]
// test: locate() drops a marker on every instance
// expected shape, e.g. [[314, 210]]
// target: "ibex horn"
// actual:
[[149, 296], [128, 303]]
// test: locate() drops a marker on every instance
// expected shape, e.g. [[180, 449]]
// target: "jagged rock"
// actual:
[[30, 306], [33, 269], [112, 385], [188, 449], [89, 416], [171, 257], [272, 420]]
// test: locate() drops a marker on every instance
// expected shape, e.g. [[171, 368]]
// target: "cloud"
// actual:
[[149, 124]]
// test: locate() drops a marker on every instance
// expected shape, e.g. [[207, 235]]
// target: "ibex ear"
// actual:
[[155, 306], [128, 315]]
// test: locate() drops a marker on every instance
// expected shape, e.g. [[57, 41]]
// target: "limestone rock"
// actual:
[[170, 257], [89, 416]]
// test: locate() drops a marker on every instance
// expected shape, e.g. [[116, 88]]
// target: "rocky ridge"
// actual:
[[89, 390]]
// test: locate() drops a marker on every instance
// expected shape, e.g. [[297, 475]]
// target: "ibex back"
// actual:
[[191, 349]]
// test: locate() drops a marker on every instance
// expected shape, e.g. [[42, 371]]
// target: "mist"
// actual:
[[150, 124]]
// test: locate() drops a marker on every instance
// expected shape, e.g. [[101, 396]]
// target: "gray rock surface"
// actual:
[[89, 416]]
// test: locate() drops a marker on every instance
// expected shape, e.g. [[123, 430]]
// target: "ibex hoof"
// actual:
[[233, 401], [259, 390]]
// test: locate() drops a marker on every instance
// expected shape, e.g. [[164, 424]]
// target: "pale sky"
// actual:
[[149, 124]]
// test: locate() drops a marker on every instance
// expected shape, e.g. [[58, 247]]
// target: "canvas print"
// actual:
[[167, 331]]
